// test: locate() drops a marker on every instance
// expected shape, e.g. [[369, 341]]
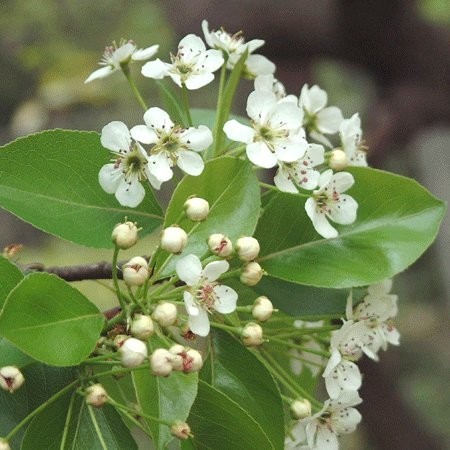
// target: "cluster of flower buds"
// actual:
[[178, 358]]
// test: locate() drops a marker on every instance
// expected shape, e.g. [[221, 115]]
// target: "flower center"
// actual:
[[206, 297], [134, 165]]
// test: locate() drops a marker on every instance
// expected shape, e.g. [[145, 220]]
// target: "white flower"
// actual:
[[204, 294], [319, 119], [328, 202], [192, 66], [114, 58], [351, 340], [235, 46], [276, 133], [336, 417], [351, 141], [271, 84], [300, 173], [123, 177], [171, 145]]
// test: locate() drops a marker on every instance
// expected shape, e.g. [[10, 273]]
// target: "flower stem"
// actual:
[[137, 94], [305, 331], [184, 93], [219, 121], [299, 347], [231, 329]]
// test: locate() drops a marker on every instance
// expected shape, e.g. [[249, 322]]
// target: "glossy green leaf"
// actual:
[[232, 191], [50, 179], [169, 398], [50, 320], [10, 276], [235, 371], [397, 220], [217, 422], [10, 355]]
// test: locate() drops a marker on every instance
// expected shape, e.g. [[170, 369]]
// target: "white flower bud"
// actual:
[[96, 395], [4, 445], [133, 352], [252, 335], [120, 339], [220, 245], [196, 208], [247, 248], [186, 359], [173, 239], [165, 314], [161, 362], [125, 235], [181, 430], [177, 351], [338, 159], [262, 309], [300, 408], [251, 274], [135, 271], [11, 378], [142, 326]]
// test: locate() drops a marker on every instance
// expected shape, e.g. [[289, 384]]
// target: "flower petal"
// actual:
[[210, 61], [157, 119], [155, 69], [283, 183], [144, 134], [329, 120], [145, 53], [286, 115], [197, 81], [260, 104], [190, 47], [116, 137], [319, 220], [213, 270], [100, 73], [259, 154], [200, 324], [290, 151], [197, 139], [238, 132], [226, 299], [130, 194], [189, 303], [159, 167], [189, 269], [190, 162], [313, 99], [109, 177], [259, 65]]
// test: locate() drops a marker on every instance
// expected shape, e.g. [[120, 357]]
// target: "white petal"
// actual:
[[343, 181], [189, 303], [325, 177], [286, 115], [110, 177], [144, 134], [100, 73], [130, 194], [157, 119], [259, 154], [346, 421], [319, 220], [326, 439], [260, 104], [264, 83], [315, 154], [189, 269], [334, 360], [290, 152], [350, 376], [329, 120], [200, 324], [145, 53], [226, 299], [197, 81], [313, 99], [381, 288], [259, 65], [197, 139], [210, 61], [176, 78], [254, 44], [123, 53], [213, 270], [159, 167], [238, 132], [116, 136], [190, 46], [155, 69], [283, 183], [344, 212], [152, 179], [190, 162], [207, 34]]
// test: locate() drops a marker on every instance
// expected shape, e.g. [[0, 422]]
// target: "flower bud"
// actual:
[[120, 339], [96, 395], [196, 208], [251, 274], [181, 430], [252, 335], [300, 408], [177, 351], [133, 352], [247, 248], [135, 271], [4, 445], [161, 362], [262, 309], [11, 378], [142, 326], [191, 360], [125, 235], [220, 245], [173, 239], [338, 159], [165, 314]]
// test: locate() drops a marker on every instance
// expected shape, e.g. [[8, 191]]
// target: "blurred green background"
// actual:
[[368, 57]]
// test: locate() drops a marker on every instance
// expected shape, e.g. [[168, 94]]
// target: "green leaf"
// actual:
[[232, 191], [50, 320], [169, 398], [10, 276], [172, 103], [217, 422], [10, 355], [235, 371], [397, 220], [50, 179]]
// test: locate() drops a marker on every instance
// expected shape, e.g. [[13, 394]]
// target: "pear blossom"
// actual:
[[300, 173], [328, 202], [319, 119], [115, 57], [276, 133], [351, 141], [235, 46], [123, 177], [171, 144], [271, 84], [204, 294], [192, 66]]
